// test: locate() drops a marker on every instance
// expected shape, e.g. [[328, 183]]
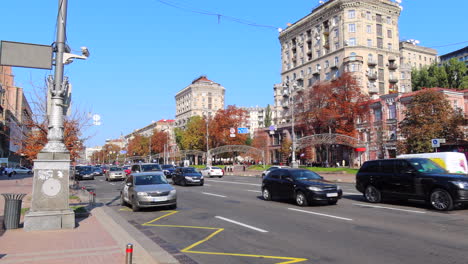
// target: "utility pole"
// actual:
[[208, 157], [50, 207], [294, 163]]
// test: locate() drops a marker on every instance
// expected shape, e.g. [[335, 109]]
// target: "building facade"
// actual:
[[202, 97], [255, 118], [413, 56], [461, 55]]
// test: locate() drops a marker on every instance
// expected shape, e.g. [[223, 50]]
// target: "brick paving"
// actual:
[[89, 242]]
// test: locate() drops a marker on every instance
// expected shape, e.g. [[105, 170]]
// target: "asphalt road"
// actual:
[[226, 221]]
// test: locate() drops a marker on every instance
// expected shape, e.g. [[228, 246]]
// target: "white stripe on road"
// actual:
[[391, 208], [254, 184], [254, 191], [214, 194], [241, 224], [207, 184], [353, 193], [332, 216]]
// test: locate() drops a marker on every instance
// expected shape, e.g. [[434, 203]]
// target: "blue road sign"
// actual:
[[242, 130]]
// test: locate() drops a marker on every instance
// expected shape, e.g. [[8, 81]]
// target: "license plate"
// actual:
[[332, 194], [159, 199], [195, 180]]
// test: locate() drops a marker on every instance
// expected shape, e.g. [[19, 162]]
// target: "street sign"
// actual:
[[435, 143], [232, 135], [442, 140], [242, 130], [232, 130], [272, 128], [123, 152]]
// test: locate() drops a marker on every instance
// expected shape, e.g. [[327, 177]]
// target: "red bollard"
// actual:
[[129, 254]]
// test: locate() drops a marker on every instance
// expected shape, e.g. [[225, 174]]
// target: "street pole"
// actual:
[[208, 157], [49, 205], [293, 161]]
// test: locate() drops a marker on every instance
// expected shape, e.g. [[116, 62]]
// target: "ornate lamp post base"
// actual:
[[50, 207]]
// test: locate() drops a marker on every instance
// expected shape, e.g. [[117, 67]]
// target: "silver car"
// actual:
[[115, 173], [148, 189]]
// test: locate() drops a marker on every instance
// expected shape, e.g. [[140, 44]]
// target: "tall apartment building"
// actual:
[[201, 97], [461, 55], [255, 118], [413, 56], [360, 37]]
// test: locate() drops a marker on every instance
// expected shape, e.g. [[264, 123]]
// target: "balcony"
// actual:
[[285, 93], [373, 89], [392, 66], [372, 76], [285, 104], [391, 58], [393, 79], [334, 65], [353, 59], [371, 62], [316, 72]]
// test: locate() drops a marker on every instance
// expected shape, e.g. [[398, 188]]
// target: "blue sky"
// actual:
[[143, 52]]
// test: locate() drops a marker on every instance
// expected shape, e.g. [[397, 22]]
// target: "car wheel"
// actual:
[[201, 184], [183, 182], [122, 201], [14, 173], [220, 176], [301, 199], [29, 172], [173, 207], [441, 200], [332, 202], [135, 207], [372, 194], [266, 194]]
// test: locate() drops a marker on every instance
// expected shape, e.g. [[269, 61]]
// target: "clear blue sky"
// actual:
[[143, 52]]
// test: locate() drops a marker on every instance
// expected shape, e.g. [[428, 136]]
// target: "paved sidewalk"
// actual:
[[95, 239]]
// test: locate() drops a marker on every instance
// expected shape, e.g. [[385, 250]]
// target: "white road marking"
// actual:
[[101, 180], [112, 183], [353, 193], [241, 224], [390, 208], [254, 191], [309, 212], [207, 184], [254, 184], [214, 194]]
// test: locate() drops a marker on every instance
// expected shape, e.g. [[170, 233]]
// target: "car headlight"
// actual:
[[172, 192], [338, 187], [188, 178], [315, 189], [461, 184], [201, 177], [142, 194]]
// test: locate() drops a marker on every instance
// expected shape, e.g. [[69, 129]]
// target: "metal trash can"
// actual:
[[12, 212]]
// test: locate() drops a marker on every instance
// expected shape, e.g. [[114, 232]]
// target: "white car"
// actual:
[[272, 168], [22, 170], [212, 172]]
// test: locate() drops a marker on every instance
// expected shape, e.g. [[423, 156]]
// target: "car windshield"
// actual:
[[150, 167], [303, 175], [189, 170], [168, 166], [97, 169], [215, 168], [150, 180], [115, 169], [86, 169], [426, 166]]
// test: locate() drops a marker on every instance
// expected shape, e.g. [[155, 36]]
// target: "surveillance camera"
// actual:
[[85, 51]]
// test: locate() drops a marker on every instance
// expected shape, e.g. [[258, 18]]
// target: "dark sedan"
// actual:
[[187, 176], [168, 170], [84, 172], [302, 185]]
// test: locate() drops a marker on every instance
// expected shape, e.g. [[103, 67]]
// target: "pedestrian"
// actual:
[[9, 172]]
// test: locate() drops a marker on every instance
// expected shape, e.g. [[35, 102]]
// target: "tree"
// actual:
[[428, 116], [193, 137], [286, 149], [452, 74], [260, 141], [231, 117], [457, 74], [268, 116], [158, 140]]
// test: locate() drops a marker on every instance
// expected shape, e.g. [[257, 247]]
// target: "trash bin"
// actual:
[[12, 212]]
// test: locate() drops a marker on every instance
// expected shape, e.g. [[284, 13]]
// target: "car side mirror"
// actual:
[[289, 179]]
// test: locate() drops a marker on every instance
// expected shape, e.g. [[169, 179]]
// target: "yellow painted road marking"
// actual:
[[125, 209], [288, 260]]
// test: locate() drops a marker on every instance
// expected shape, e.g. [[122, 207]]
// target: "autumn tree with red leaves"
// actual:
[[219, 126]]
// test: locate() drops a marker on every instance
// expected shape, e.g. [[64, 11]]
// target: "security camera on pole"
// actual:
[[49, 206]]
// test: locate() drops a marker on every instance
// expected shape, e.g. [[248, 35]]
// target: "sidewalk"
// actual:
[[95, 239]]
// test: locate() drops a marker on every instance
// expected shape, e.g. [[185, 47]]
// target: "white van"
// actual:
[[454, 162]]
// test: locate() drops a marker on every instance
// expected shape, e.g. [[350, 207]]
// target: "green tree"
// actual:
[[193, 137], [428, 116], [457, 74], [452, 74], [268, 116]]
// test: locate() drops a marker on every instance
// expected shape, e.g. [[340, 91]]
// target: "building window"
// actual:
[[337, 45], [327, 64], [392, 111], [336, 61], [336, 32], [378, 114], [369, 43], [389, 20], [352, 28], [389, 33], [351, 13], [335, 21], [380, 43], [317, 67], [327, 76], [368, 15], [369, 29], [309, 81], [309, 70], [294, 76], [352, 42], [389, 46]]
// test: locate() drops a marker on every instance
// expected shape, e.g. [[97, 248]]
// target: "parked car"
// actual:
[[148, 189], [145, 167], [22, 170], [272, 168], [187, 176], [168, 170], [127, 169], [302, 185], [412, 178], [115, 173], [212, 172], [97, 171], [84, 172]]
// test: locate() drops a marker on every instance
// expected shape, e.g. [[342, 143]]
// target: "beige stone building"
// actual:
[[413, 56], [201, 97], [360, 37]]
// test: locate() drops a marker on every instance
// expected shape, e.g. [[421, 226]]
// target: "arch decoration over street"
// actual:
[[329, 139]]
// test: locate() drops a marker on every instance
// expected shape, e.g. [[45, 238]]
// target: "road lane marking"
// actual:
[[214, 194], [253, 184], [332, 216], [284, 260], [353, 193], [207, 184], [390, 208], [241, 224], [254, 191]]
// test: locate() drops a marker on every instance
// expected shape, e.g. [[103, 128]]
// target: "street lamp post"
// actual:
[[208, 156], [294, 163]]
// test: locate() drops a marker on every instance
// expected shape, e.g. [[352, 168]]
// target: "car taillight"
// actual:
[[212, 170], [222, 171]]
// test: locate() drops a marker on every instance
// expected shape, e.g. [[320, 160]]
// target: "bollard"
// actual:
[[129, 254]]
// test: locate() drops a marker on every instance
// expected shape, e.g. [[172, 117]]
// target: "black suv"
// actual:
[[412, 178], [304, 186]]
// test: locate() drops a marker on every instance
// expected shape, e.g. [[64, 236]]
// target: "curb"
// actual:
[[145, 250]]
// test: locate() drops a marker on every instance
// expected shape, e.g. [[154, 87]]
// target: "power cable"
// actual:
[[452, 44]]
